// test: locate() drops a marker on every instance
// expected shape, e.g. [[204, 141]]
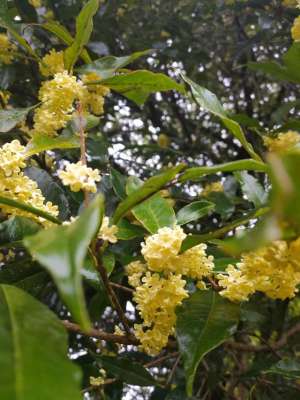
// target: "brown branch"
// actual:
[[82, 145], [112, 296], [170, 377], [99, 334], [118, 286], [264, 348], [160, 360]]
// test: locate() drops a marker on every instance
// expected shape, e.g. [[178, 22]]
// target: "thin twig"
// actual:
[[160, 360], [118, 286], [97, 333], [82, 145], [170, 377], [112, 296], [263, 348]]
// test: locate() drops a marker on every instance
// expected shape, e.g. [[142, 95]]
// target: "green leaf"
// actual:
[[152, 185], [126, 370], [289, 368], [34, 363], [133, 183], [16, 229], [118, 182], [138, 85], [63, 34], [194, 211], [196, 173], [210, 102], [154, 213], [286, 187], [252, 189], [109, 262], [289, 71], [106, 67], [10, 118], [204, 321], [62, 250], [50, 189], [7, 23], [25, 207], [40, 143], [128, 231], [84, 28]]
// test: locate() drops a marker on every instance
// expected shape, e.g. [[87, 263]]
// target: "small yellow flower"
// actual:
[[57, 96], [35, 3], [100, 379], [273, 270], [107, 232], [6, 49], [283, 142], [290, 3], [52, 63], [158, 249], [295, 31], [212, 187], [17, 186], [163, 141], [96, 93], [4, 96], [80, 177]]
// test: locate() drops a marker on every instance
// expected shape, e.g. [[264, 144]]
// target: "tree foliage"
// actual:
[[149, 197]]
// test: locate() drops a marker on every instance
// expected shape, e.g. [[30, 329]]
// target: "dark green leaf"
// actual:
[[152, 185], [194, 211], [50, 189], [127, 370], [137, 85], [62, 250], [14, 29], [33, 346], [128, 231], [16, 229], [252, 189], [84, 28], [154, 213], [10, 118], [107, 66], [204, 321], [289, 368], [210, 102], [63, 34], [109, 261], [118, 182], [197, 172]]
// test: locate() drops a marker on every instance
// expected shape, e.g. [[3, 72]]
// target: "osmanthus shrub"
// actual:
[[106, 281]]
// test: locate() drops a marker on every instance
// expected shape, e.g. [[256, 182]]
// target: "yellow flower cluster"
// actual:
[[52, 63], [107, 232], [6, 49], [59, 94], [80, 177], [4, 98], [159, 286], [35, 3], [100, 379], [273, 270], [295, 31], [212, 187], [283, 142], [17, 186], [96, 93], [290, 3], [57, 97], [157, 298]]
